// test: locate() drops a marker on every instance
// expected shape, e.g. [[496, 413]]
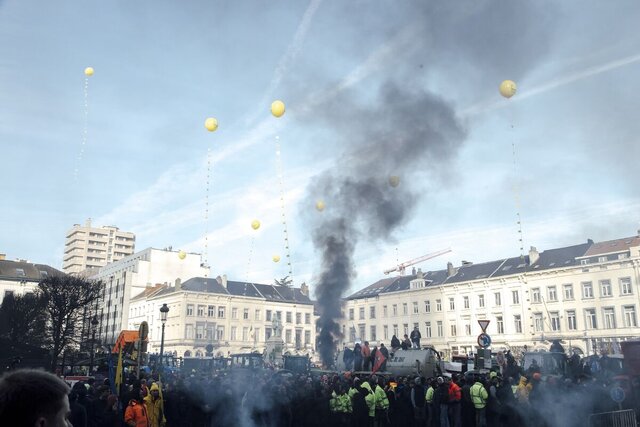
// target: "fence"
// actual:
[[626, 418]]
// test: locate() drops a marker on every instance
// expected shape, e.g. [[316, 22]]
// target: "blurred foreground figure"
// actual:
[[32, 398]]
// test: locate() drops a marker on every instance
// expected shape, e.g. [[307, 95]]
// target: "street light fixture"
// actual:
[[164, 310], [94, 325]]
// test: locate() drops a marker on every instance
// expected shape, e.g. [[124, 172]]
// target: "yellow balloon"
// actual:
[[211, 124], [255, 224], [182, 254], [508, 88], [320, 205], [394, 180], [277, 108], [88, 71], [276, 258]]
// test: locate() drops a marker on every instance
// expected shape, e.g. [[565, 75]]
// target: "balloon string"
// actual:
[[282, 208], [249, 260], [516, 193], [84, 130], [206, 211]]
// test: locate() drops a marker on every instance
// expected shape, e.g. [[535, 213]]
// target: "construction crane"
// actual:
[[401, 267]]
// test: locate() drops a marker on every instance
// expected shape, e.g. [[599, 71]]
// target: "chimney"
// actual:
[[450, 270], [224, 281], [219, 280], [304, 288], [413, 271], [178, 283], [419, 274], [534, 255]]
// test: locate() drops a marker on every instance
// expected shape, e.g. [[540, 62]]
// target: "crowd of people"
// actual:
[[270, 397]]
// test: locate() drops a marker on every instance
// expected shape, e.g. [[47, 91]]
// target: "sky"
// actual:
[[127, 146]]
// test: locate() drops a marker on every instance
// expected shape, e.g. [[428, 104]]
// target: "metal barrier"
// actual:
[[626, 418]]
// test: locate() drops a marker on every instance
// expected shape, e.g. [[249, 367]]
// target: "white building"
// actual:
[[21, 277], [586, 295], [229, 316], [88, 247], [131, 275]]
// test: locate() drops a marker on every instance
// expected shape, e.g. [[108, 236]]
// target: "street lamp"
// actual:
[[94, 325], [164, 310]]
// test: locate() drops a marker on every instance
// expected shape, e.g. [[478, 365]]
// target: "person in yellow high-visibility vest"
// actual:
[[479, 397]]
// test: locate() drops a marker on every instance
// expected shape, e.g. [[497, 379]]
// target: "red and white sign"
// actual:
[[483, 324]]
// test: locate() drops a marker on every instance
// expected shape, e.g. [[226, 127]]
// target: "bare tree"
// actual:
[[66, 298]]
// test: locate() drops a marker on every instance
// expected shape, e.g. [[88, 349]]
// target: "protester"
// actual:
[[366, 356], [415, 338]]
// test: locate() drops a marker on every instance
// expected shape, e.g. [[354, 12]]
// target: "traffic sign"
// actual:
[[483, 324], [484, 340], [617, 394]]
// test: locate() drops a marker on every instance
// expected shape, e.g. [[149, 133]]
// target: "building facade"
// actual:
[[22, 277], [88, 247], [586, 295], [133, 274], [227, 316]]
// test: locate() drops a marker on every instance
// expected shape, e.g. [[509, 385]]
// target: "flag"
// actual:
[[380, 359], [118, 379]]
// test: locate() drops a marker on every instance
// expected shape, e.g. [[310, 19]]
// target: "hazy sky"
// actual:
[[162, 67]]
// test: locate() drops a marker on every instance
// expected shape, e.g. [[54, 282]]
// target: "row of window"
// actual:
[[247, 334], [541, 323], [210, 311], [606, 290]]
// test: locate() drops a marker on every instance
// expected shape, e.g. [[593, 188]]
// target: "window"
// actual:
[[307, 318], [538, 324], [584, 261], [352, 334], [415, 307], [267, 333], [287, 335], [498, 299], [298, 318], [201, 310], [20, 272], [453, 330], [405, 309], [372, 312], [361, 330], [307, 337], [465, 301], [605, 288], [211, 311], [234, 331], [257, 314], [440, 330], [602, 259], [629, 313], [221, 313], [481, 300], [351, 315], [395, 330], [535, 295], [385, 332], [552, 294], [609, 318], [590, 317], [245, 314], [427, 306], [189, 309], [554, 317], [625, 286], [234, 313], [587, 290], [571, 320], [568, 292], [289, 317], [517, 321], [361, 313], [372, 336], [452, 304], [500, 324], [515, 297], [245, 334], [279, 315], [268, 317], [384, 311], [220, 333], [395, 309], [406, 328], [189, 332], [438, 305], [467, 329], [427, 329]]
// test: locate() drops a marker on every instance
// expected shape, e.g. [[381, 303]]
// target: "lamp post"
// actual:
[[94, 325], [164, 310]]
